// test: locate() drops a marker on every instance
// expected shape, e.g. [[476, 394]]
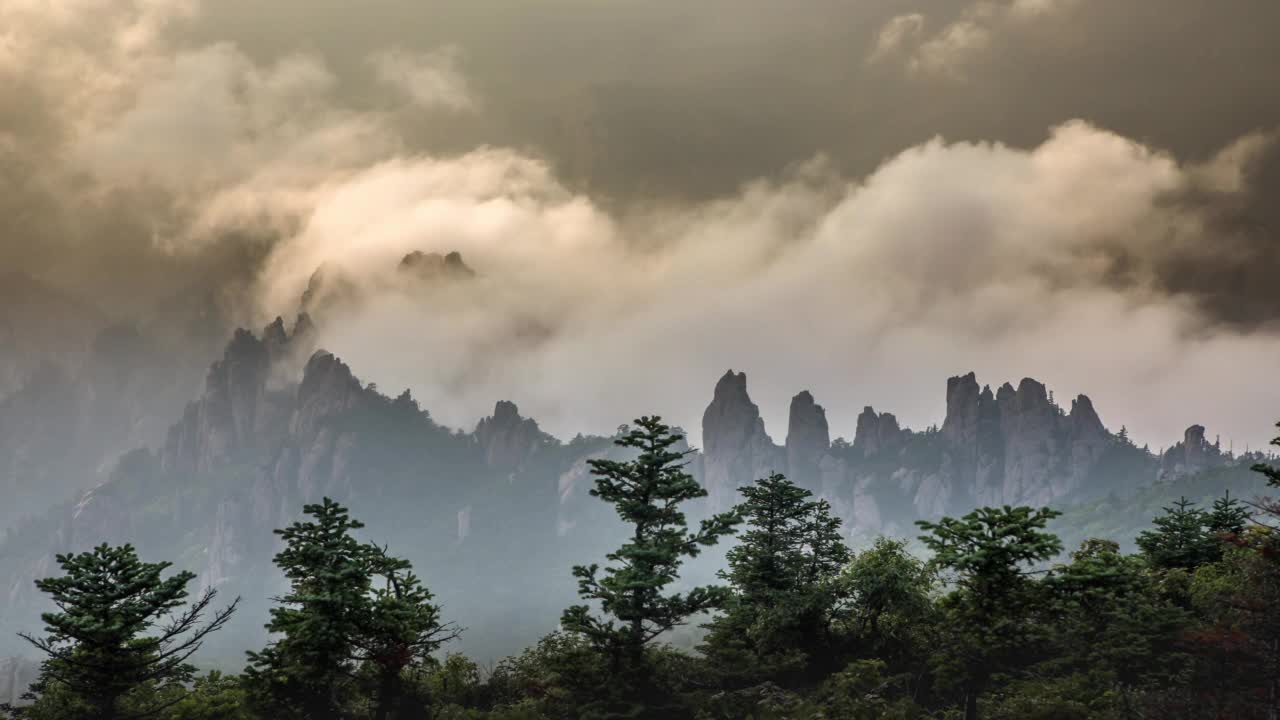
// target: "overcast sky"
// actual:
[[855, 197]]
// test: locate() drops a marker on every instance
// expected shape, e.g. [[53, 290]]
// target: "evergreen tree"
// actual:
[[402, 629], [1111, 625], [886, 599], [1228, 517], [308, 671], [120, 627], [646, 493], [782, 572], [1180, 538], [988, 553]]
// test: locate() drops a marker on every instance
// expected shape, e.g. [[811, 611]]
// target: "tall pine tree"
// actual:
[[120, 627], [646, 493], [988, 553], [307, 673], [1180, 538], [782, 573]]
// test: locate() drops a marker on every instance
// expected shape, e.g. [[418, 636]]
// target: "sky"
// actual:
[[858, 197]]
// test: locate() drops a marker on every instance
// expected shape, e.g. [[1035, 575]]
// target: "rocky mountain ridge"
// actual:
[[280, 424]]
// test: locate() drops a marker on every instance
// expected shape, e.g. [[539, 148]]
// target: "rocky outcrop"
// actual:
[[808, 440], [1192, 455], [434, 266], [736, 449], [876, 434], [1009, 446], [506, 439], [236, 415]]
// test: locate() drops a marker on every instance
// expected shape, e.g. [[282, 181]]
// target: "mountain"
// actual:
[[279, 424], [1013, 446]]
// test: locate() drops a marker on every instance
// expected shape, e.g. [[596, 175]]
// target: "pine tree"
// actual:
[[1111, 624], [403, 627], [121, 627], [782, 572], [646, 493], [1180, 538], [988, 553], [307, 672], [1228, 516]]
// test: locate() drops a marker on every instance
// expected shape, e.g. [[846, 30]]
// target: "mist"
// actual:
[[673, 193]]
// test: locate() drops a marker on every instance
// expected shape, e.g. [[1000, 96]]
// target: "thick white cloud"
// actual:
[[949, 257], [1009, 261]]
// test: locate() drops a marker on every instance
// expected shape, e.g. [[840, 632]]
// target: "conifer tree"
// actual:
[[403, 627], [120, 627], [782, 572], [307, 672], [646, 493], [1228, 516], [988, 553], [1110, 621], [1180, 538]]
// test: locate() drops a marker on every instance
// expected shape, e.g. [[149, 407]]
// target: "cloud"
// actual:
[[950, 256], [608, 194], [896, 34], [949, 51], [431, 80]]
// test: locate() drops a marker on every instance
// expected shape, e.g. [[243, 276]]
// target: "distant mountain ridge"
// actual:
[[508, 500]]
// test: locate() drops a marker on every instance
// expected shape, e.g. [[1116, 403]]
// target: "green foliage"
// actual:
[[1270, 472], [988, 553], [782, 574], [350, 606], [1178, 539], [213, 697], [308, 671], [1188, 629], [646, 494], [886, 598], [1112, 624], [121, 628], [862, 691]]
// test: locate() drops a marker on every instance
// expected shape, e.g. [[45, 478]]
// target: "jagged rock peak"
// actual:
[[808, 438], [244, 364], [325, 372], [506, 439], [961, 423], [731, 416], [807, 415], [434, 264], [1083, 415], [275, 332], [505, 411], [736, 447], [1193, 454], [876, 433], [731, 384], [1032, 393], [328, 388]]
